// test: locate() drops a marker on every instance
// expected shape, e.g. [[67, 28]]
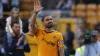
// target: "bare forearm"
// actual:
[[34, 16], [61, 51], [37, 8], [18, 43], [33, 22]]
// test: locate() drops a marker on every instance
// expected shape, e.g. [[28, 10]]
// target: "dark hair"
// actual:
[[14, 22], [43, 17], [97, 26], [87, 37]]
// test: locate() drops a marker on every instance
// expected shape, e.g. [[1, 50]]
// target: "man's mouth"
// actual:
[[50, 23]]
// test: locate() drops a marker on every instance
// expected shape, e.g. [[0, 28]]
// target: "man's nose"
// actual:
[[18, 29]]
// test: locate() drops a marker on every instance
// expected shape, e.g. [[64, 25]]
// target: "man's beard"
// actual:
[[49, 25], [17, 33]]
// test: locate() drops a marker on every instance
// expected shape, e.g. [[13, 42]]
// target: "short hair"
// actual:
[[14, 22], [87, 37], [43, 17]]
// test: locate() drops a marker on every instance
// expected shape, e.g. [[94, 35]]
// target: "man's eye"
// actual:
[[47, 19]]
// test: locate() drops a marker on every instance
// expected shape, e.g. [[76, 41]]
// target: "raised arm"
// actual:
[[37, 8]]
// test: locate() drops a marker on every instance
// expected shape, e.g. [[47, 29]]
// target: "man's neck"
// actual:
[[49, 29]]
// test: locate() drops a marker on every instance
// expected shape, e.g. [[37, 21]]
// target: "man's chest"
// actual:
[[48, 39]]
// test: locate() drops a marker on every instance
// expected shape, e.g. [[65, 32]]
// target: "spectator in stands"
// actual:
[[79, 30], [15, 3], [91, 45], [80, 47], [6, 6], [15, 45], [25, 25], [49, 4], [97, 27], [26, 22], [68, 39], [97, 30], [13, 17], [97, 34], [99, 37], [80, 40], [64, 4]]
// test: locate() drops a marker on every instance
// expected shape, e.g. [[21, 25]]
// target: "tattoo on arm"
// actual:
[[61, 51]]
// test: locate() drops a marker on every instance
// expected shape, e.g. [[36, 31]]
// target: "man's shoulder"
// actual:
[[58, 33]]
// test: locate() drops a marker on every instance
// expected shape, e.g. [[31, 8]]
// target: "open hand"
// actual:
[[37, 7]]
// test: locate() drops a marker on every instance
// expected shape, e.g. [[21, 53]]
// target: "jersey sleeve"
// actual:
[[60, 40]]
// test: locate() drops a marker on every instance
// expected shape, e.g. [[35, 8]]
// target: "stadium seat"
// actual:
[[91, 13], [91, 7], [98, 7], [98, 13], [81, 7], [80, 14], [26, 5], [98, 18], [91, 19]]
